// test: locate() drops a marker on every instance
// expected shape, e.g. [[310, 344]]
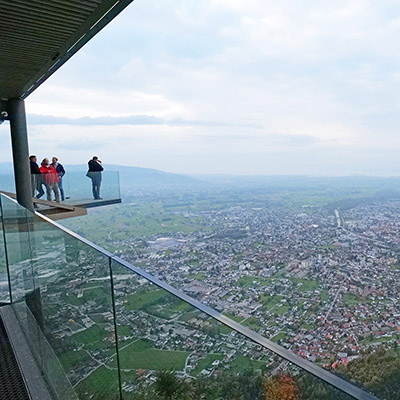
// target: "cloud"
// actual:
[[227, 85]]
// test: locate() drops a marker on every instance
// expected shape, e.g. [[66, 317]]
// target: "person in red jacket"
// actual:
[[50, 179]]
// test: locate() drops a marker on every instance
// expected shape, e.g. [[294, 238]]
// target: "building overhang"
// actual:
[[38, 37]]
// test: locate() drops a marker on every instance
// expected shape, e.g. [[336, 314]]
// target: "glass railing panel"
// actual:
[[170, 349], [4, 284], [76, 321], [7, 182], [77, 185], [18, 252]]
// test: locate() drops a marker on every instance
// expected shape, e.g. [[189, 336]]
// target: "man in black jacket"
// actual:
[[94, 173], [36, 178]]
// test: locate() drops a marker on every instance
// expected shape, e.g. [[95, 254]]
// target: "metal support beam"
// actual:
[[20, 150]]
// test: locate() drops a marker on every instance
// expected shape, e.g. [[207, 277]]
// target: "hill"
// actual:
[[129, 176]]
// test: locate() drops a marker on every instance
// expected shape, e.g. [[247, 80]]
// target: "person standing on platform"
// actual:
[[36, 178], [94, 173], [61, 172], [50, 179]]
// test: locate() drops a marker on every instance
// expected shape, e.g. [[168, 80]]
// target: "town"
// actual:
[[323, 283]]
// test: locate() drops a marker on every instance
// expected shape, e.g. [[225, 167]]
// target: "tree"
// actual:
[[282, 387], [168, 386]]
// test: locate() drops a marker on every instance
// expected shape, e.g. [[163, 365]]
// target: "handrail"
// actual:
[[326, 376]]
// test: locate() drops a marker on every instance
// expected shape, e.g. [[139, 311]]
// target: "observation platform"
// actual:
[[77, 191], [69, 208], [90, 203]]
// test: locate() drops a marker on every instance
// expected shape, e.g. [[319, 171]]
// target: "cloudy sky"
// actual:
[[229, 86]]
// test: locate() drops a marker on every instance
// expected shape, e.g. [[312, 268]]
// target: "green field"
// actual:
[[269, 301], [350, 299], [235, 318], [124, 330], [140, 355], [241, 363], [187, 316], [71, 359], [249, 281], [279, 336], [179, 306], [101, 295], [93, 334], [98, 318], [125, 220], [199, 276], [281, 310], [309, 326], [377, 340], [101, 381], [143, 299], [224, 330], [307, 285], [170, 310], [206, 362], [253, 323], [325, 295]]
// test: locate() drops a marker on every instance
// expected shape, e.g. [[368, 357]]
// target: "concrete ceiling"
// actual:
[[38, 36]]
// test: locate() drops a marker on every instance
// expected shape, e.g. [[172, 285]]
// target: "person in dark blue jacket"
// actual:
[[61, 172]]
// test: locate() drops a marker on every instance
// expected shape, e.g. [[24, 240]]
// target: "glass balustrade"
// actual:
[[158, 332], [4, 281], [77, 186], [100, 328], [7, 182]]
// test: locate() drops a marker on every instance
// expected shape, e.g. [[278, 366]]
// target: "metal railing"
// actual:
[[100, 327]]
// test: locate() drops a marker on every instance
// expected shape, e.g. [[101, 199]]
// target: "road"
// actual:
[[333, 303], [338, 219]]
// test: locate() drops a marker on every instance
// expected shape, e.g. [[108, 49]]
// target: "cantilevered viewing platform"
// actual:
[[78, 195], [37, 39]]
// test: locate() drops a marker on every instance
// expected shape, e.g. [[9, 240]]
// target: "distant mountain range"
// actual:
[[129, 176], [148, 177]]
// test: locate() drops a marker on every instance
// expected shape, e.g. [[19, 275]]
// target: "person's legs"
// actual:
[[60, 186], [39, 186], [48, 191], [96, 183], [94, 188], [33, 184], [97, 191], [56, 192], [98, 188]]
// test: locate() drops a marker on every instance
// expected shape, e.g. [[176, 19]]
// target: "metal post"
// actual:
[[19, 140]]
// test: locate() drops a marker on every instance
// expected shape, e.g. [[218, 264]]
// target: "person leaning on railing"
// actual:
[[50, 179], [94, 173], [36, 178]]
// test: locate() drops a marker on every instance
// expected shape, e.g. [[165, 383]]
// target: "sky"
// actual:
[[254, 87]]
